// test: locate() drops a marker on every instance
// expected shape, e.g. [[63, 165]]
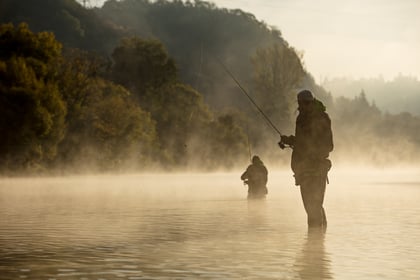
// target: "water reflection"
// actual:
[[257, 211], [313, 263], [175, 227]]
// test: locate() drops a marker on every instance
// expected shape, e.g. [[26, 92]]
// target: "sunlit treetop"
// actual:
[[20, 41]]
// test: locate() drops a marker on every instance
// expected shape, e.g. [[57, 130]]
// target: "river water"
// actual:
[[200, 226]]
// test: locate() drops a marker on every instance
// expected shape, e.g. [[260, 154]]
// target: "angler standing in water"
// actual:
[[311, 144], [255, 177]]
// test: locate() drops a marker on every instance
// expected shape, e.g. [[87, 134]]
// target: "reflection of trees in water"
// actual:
[[313, 262]]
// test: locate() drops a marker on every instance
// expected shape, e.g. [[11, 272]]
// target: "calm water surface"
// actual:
[[200, 226]]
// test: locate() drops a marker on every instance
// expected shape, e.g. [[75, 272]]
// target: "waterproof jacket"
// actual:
[[313, 140], [256, 175]]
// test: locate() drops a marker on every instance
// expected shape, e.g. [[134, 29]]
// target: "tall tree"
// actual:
[[182, 118], [278, 72], [105, 127], [31, 108], [140, 65]]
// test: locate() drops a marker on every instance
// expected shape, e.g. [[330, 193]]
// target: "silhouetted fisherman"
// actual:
[[312, 143], [255, 177]]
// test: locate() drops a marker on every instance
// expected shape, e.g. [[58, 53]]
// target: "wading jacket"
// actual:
[[313, 141], [256, 175]]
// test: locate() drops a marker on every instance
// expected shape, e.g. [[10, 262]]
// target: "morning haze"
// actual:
[[339, 38], [126, 128]]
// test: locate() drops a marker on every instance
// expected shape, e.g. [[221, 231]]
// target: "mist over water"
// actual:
[[200, 226]]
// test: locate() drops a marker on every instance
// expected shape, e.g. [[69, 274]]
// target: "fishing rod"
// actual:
[[250, 99], [249, 144], [282, 145]]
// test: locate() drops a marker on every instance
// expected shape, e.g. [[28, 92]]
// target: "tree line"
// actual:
[[139, 84], [70, 109], [365, 134], [402, 94]]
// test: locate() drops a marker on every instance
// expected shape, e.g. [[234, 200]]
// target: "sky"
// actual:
[[352, 39]]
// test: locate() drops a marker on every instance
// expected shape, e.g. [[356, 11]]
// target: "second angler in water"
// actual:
[[255, 177]]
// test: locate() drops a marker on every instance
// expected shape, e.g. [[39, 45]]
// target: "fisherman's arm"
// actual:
[[245, 175]]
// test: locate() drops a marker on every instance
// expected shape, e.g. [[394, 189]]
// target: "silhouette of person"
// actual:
[[255, 177], [311, 144]]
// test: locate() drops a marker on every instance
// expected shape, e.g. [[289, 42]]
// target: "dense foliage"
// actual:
[[71, 24], [32, 109], [138, 84], [59, 110], [182, 118]]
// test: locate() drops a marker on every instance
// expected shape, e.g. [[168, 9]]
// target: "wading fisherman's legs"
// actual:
[[312, 190]]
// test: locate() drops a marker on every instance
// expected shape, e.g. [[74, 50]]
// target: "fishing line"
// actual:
[[249, 98], [249, 144]]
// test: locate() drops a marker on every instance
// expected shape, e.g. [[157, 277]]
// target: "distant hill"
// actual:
[[71, 23], [196, 34], [399, 95], [198, 37]]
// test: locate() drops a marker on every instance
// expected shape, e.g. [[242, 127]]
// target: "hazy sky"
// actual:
[[354, 38]]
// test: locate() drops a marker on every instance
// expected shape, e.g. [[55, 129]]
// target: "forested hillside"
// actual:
[[136, 85], [71, 24]]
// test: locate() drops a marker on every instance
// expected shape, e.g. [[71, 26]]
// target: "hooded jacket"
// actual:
[[256, 173], [313, 139]]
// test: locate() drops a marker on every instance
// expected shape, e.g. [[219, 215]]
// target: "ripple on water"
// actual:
[[74, 230]]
